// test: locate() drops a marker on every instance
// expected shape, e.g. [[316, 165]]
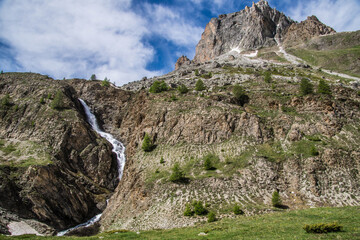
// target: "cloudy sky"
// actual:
[[125, 40]]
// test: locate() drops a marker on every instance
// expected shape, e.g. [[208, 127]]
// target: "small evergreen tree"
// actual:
[[158, 86], [162, 161], [105, 82], [240, 95], [188, 211], [199, 86], [93, 77], [147, 144], [2, 71], [237, 210], [276, 201], [177, 174], [305, 87], [58, 102], [208, 164], [42, 101], [211, 217], [199, 209], [183, 89], [267, 77], [5, 101], [197, 72], [323, 88], [314, 151]]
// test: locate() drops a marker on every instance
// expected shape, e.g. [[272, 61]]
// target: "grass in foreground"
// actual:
[[280, 225]]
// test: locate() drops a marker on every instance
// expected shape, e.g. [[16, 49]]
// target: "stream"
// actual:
[[118, 149]]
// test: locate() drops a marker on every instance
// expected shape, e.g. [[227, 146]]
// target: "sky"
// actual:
[[125, 40]]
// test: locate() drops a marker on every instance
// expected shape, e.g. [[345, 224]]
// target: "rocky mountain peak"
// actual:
[[252, 28], [183, 60]]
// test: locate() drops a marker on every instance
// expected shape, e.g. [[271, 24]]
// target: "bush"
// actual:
[[6, 101], [305, 87], [182, 89], [323, 228], [199, 209], [2, 72], [147, 144], [200, 86], [276, 201], [237, 210], [158, 86], [188, 211], [177, 174], [93, 77], [267, 77], [105, 82], [197, 72], [207, 75], [211, 217], [58, 102], [314, 151], [323, 88], [209, 161], [42, 100], [162, 161], [240, 96]]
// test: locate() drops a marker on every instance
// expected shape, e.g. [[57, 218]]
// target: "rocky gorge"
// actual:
[[57, 172]]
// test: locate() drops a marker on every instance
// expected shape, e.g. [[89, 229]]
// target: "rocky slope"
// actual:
[[53, 167]]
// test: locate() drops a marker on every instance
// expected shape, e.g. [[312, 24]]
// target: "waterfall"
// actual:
[[118, 149]]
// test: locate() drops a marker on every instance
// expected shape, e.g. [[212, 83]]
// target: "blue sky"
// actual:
[[126, 40]]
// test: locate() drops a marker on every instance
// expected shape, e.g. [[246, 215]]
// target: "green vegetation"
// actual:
[[200, 86], [240, 96], [323, 228], [93, 77], [182, 89], [147, 144], [162, 161], [6, 101], [58, 102], [177, 175], [278, 225], [208, 161], [2, 72], [306, 87], [105, 82], [188, 211], [197, 72], [42, 100], [267, 77], [158, 87], [275, 200], [199, 208], [207, 75], [323, 88], [237, 210], [211, 217]]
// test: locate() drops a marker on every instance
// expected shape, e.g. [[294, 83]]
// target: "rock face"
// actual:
[[251, 28], [53, 167], [183, 60], [300, 32]]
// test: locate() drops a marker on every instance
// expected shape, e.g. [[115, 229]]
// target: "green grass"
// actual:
[[279, 225]]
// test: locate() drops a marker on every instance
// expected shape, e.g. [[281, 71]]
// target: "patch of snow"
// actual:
[[237, 49], [251, 55], [21, 228]]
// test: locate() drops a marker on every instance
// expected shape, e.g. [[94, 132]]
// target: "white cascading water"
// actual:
[[118, 149]]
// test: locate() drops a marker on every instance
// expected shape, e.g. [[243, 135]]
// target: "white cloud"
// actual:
[[339, 14], [77, 38]]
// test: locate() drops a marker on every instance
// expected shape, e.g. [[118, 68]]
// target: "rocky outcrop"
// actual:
[[252, 28], [183, 60], [305, 30]]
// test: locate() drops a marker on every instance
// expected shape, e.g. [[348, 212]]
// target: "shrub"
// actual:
[[267, 77], [58, 102], [199, 209], [42, 100], [105, 82], [323, 88], [207, 75], [6, 101], [276, 201], [211, 217], [158, 86], [2, 72], [305, 87], [358, 93], [162, 161], [197, 72], [93, 77], [182, 89], [209, 160], [240, 95], [188, 211], [323, 228], [237, 210], [173, 98], [177, 174], [49, 96], [314, 151], [147, 144], [199, 86]]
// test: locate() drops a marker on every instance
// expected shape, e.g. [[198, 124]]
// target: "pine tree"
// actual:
[[276, 201], [211, 217], [147, 144], [305, 87], [240, 95], [324, 88], [58, 102], [183, 89], [93, 77], [200, 86], [177, 174]]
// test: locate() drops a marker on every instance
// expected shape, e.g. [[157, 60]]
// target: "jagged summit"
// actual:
[[253, 28]]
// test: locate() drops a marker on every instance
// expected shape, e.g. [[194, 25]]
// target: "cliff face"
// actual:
[[251, 28], [53, 166]]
